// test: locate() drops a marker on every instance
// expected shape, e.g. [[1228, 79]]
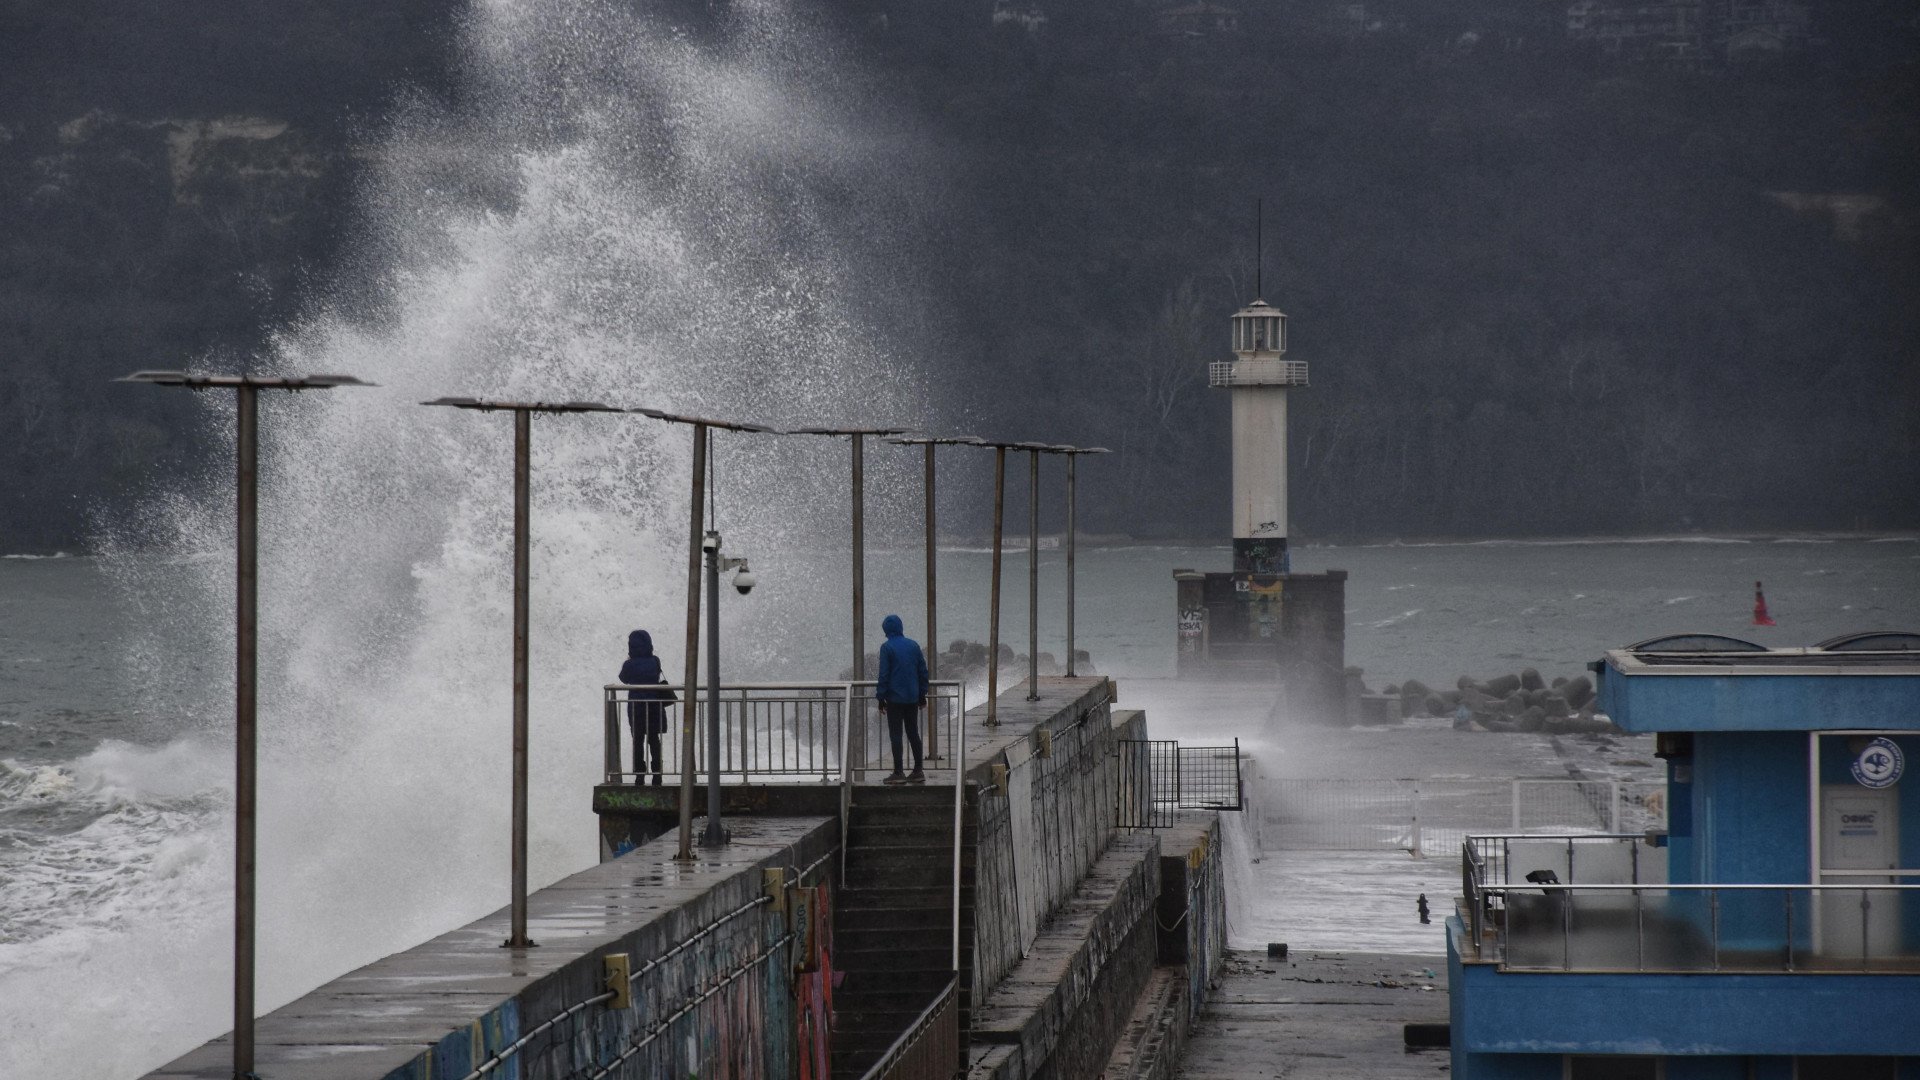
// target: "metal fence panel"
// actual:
[[1149, 778], [1209, 777]]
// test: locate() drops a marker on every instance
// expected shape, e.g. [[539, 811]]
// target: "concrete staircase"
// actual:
[[893, 926]]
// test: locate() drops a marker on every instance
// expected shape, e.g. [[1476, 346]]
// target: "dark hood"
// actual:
[[639, 643], [891, 626]]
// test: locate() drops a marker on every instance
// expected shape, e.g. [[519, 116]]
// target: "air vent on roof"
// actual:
[[1873, 641], [1695, 643]]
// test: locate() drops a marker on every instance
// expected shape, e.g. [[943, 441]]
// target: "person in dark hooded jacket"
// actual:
[[646, 708], [901, 688]]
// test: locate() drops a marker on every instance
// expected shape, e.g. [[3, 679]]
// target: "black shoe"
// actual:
[[916, 777], [895, 778]]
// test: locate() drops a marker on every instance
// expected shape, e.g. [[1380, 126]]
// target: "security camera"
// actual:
[[711, 542], [743, 581]]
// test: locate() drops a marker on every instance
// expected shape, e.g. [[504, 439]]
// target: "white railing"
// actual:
[[1257, 373], [777, 732], [1437, 815]]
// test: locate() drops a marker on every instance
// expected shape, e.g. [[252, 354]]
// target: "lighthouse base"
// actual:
[[1279, 627], [1265, 556]]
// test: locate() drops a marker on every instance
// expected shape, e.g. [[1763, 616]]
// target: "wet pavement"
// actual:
[[1318, 1016]]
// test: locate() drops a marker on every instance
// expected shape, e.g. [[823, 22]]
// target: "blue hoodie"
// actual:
[[902, 678], [643, 669]]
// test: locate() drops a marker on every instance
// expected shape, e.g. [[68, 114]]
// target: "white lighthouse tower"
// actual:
[[1258, 377]]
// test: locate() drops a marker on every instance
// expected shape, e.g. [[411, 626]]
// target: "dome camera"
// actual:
[[744, 581]]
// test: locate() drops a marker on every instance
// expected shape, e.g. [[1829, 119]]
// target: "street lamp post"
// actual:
[[933, 623], [522, 516], [993, 589], [246, 680], [1073, 531], [714, 835], [1033, 567], [856, 715]]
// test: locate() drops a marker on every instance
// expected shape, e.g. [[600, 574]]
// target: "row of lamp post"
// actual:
[[702, 542]]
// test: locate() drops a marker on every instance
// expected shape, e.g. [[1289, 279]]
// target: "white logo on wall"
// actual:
[[1880, 764]]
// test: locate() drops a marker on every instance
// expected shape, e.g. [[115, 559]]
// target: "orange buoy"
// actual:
[[1760, 616]]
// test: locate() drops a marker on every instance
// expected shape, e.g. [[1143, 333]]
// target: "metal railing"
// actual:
[[1257, 373], [1159, 777], [1614, 921], [1209, 778], [930, 1047], [1438, 815], [778, 732]]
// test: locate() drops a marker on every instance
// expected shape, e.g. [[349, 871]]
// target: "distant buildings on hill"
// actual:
[[1691, 31], [1703, 33]]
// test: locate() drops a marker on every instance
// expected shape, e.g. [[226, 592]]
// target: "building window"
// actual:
[[1613, 1067], [1843, 1068]]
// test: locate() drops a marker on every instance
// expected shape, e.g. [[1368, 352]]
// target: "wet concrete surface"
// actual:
[[383, 1016], [1318, 1016]]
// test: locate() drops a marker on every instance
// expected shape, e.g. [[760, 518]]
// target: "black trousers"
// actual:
[[644, 720], [904, 719]]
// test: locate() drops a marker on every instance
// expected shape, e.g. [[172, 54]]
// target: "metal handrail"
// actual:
[[772, 731], [1684, 950], [910, 1037]]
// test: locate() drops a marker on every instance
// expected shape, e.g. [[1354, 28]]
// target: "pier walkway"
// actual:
[[444, 1008], [1318, 1016]]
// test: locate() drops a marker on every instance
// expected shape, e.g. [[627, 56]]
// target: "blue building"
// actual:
[[1772, 931]]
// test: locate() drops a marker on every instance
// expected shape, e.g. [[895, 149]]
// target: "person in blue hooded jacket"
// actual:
[[901, 688], [646, 707]]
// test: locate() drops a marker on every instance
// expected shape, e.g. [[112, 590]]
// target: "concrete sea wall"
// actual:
[[723, 1006], [1057, 816]]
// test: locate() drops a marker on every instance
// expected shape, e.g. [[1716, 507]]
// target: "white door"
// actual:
[[1859, 830]]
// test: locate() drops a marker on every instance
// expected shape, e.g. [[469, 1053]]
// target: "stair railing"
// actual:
[[846, 779], [929, 1047], [959, 813]]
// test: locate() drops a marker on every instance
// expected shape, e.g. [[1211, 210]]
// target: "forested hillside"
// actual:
[[1542, 291]]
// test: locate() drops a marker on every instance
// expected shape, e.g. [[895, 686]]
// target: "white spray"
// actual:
[[612, 209]]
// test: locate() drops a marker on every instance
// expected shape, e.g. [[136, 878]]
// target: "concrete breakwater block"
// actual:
[[1523, 701]]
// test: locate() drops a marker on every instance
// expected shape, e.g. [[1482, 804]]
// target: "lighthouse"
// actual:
[[1258, 377], [1263, 620]]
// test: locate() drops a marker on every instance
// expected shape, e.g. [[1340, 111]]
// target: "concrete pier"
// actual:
[[1074, 922], [442, 1009]]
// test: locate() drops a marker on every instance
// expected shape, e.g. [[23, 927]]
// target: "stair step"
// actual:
[[903, 795], [901, 817], [917, 833], [865, 937], [909, 852], [871, 894], [878, 1013], [895, 956], [938, 878], [882, 920]]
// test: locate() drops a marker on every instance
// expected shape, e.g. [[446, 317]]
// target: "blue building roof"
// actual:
[[1707, 682]]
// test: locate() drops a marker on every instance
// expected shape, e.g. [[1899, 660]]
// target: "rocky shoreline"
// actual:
[[1519, 701]]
